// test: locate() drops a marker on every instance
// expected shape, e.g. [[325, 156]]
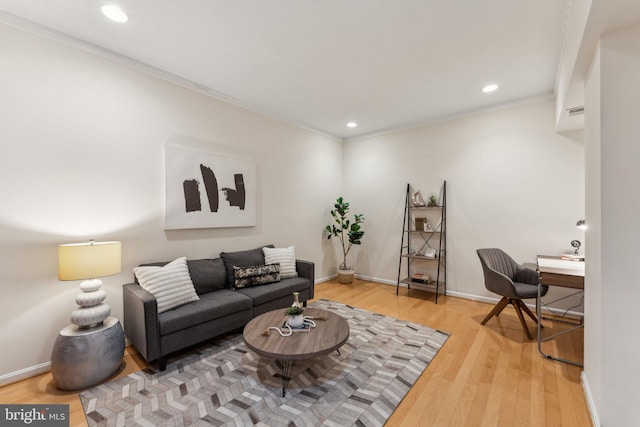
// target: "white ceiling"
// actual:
[[321, 63]]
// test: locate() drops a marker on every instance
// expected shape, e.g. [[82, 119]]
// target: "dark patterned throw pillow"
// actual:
[[256, 275]]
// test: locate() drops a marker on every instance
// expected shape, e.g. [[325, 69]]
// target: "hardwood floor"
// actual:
[[488, 375]]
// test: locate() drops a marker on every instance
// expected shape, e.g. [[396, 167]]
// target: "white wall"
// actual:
[[82, 157], [512, 183], [611, 347], [593, 215]]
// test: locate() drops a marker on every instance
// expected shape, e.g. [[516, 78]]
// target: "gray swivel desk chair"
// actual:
[[505, 277]]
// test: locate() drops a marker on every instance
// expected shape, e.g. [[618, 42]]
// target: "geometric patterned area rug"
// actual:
[[223, 383]]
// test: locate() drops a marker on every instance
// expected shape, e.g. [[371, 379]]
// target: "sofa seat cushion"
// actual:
[[212, 305], [265, 293]]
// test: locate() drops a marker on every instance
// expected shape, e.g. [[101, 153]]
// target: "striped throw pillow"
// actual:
[[170, 284], [286, 257]]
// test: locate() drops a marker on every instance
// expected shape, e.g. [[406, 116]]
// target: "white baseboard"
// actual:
[[325, 279], [591, 406], [377, 280], [23, 374], [43, 368], [472, 297]]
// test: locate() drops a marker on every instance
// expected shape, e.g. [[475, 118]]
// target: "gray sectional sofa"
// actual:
[[220, 309]]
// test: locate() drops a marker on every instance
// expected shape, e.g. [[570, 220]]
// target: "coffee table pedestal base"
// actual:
[[287, 374]]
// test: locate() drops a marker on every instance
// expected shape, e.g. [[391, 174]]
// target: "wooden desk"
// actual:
[[555, 271]]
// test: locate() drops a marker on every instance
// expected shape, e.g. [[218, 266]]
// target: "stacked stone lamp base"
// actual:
[[91, 310]]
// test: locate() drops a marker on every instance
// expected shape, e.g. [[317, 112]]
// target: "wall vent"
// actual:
[[575, 111]]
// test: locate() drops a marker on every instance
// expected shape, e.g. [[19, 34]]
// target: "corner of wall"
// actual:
[[591, 406]]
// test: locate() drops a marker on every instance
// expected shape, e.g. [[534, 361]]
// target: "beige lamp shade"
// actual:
[[89, 260]]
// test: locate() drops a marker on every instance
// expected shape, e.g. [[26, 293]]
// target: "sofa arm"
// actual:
[[141, 320], [306, 269]]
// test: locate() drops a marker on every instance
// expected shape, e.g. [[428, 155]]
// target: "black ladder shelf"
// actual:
[[424, 244]]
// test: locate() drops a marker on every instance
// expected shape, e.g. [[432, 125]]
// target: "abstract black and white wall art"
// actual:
[[204, 190]]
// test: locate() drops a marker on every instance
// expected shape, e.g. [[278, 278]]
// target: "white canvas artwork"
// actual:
[[204, 190]]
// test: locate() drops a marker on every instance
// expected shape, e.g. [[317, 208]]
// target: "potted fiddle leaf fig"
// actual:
[[349, 232]]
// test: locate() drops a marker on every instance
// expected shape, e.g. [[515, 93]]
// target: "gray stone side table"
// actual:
[[85, 357]]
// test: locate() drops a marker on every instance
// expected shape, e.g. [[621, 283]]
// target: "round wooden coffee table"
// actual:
[[327, 336]]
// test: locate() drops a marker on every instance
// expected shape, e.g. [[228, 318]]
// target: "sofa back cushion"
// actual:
[[241, 259], [206, 274]]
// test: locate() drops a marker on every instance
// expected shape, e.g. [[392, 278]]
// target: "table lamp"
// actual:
[[79, 261]]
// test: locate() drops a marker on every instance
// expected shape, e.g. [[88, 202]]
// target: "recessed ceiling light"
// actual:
[[489, 88], [114, 13], [352, 124]]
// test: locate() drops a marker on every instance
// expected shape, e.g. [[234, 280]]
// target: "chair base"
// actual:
[[519, 306]]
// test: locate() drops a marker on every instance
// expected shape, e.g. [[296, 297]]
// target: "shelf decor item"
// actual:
[[348, 232], [421, 278], [417, 199], [429, 253]]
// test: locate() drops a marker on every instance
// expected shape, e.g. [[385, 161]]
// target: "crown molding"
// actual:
[[454, 116], [74, 42], [69, 40]]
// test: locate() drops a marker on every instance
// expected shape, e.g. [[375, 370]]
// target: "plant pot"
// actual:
[[296, 321], [346, 276]]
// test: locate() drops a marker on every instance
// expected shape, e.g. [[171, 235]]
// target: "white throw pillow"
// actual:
[[286, 257], [170, 284]]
